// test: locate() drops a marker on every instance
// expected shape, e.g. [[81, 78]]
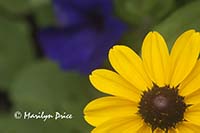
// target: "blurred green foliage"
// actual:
[[16, 49], [145, 11], [187, 17], [44, 15], [42, 86], [39, 85], [22, 6]]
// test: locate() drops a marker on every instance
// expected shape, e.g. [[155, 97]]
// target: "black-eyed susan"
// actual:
[[159, 92]]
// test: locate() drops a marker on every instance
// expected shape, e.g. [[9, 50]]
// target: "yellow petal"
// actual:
[[112, 83], [193, 114], [173, 131], [187, 127], [129, 65], [193, 98], [145, 129], [169, 131], [155, 56], [191, 83], [105, 108], [158, 131], [183, 56], [120, 125]]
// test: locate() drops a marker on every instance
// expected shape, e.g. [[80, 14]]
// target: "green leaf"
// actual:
[[15, 49], [43, 86], [37, 3], [133, 40], [44, 15], [21, 6], [142, 11], [17, 6], [187, 17]]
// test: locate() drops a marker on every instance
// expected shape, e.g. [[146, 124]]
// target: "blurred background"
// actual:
[[49, 47]]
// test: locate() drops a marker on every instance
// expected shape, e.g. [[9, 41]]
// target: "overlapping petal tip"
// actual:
[[106, 108], [173, 130], [120, 125], [187, 127], [129, 65], [112, 83], [155, 57], [184, 56], [169, 131], [193, 98], [144, 129], [191, 83], [192, 115], [158, 131]]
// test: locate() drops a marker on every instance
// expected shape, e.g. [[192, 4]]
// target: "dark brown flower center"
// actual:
[[162, 107], [160, 102]]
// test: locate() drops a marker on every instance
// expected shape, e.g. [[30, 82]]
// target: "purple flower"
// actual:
[[87, 29]]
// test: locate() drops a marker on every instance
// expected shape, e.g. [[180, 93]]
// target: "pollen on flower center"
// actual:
[[162, 107]]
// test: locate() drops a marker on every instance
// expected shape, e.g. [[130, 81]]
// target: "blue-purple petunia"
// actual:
[[87, 29]]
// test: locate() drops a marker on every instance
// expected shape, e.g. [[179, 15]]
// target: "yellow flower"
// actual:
[[158, 92]]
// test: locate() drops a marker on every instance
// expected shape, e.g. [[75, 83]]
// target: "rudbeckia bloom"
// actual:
[[87, 30], [159, 92]]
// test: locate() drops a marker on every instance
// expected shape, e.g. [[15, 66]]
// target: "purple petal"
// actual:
[[72, 50], [73, 12], [83, 44]]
